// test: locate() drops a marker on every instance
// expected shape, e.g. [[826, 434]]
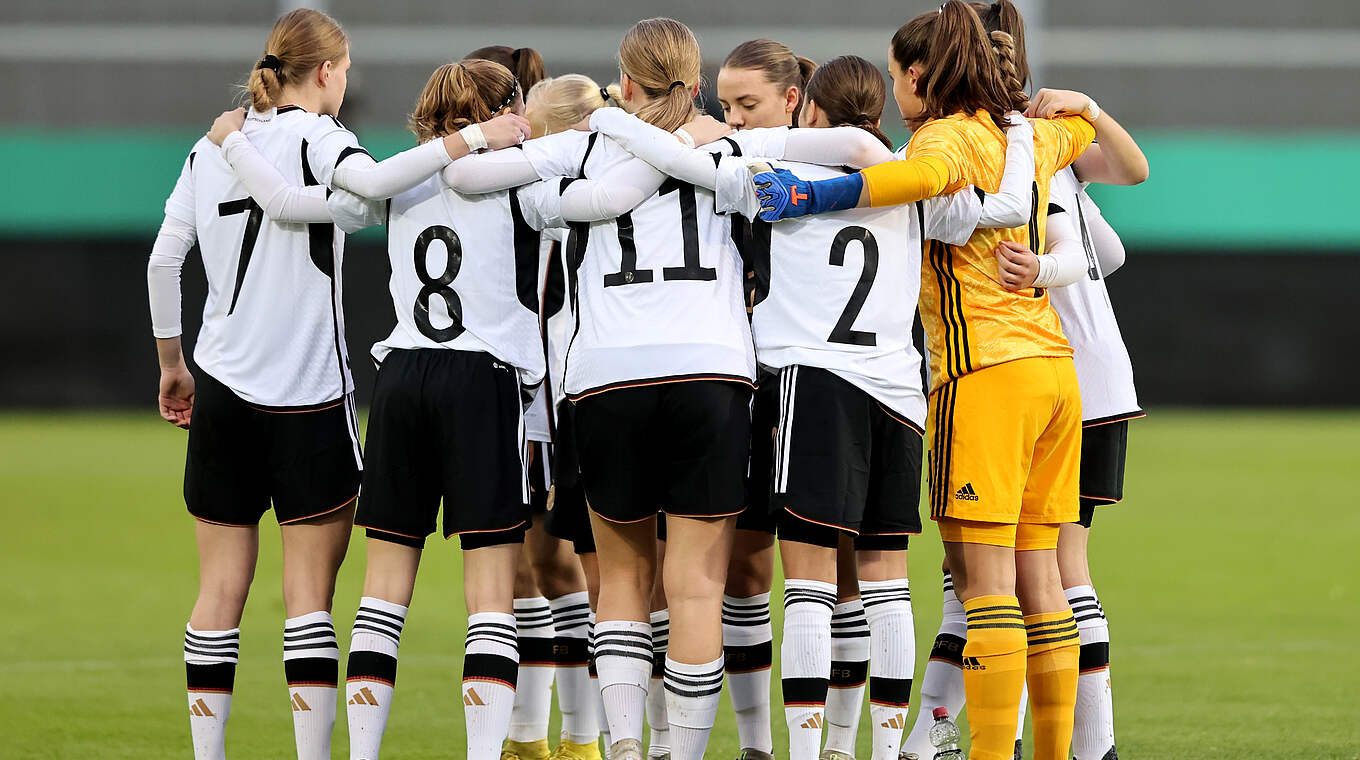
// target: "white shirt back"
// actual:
[[656, 294], [1104, 370], [465, 276], [273, 326]]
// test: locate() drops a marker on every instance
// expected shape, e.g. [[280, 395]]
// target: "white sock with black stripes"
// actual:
[[623, 658], [210, 673], [805, 662], [371, 674], [577, 697], [892, 656], [748, 653], [658, 727], [311, 663], [849, 674], [490, 670], [598, 694], [692, 695], [1093, 730], [942, 681], [533, 687]]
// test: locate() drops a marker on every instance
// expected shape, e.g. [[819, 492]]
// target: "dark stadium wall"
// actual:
[[1203, 328]]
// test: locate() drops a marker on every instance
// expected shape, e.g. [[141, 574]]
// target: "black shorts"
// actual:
[[243, 457], [842, 459], [764, 417], [567, 518], [1104, 449], [445, 425], [679, 448]]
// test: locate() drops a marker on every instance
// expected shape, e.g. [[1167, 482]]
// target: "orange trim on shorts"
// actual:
[[393, 532], [1116, 418], [447, 536], [267, 410], [223, 524], [899, 418], [823, 524], [1101, 499], [344, 504]]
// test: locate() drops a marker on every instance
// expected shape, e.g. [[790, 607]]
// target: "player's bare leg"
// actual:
[[312, 553], [212, 639], [626, 553], [886, 597], [805, 652], [1093, 729], [849, 658], [528, 736], [748, 640], [695, 573], [658, 727]]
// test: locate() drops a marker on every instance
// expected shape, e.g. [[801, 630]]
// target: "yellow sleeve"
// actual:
[[897, 182], [1070, 135]]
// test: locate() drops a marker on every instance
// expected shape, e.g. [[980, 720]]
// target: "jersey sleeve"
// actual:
[[328, 144], [619, 190], [180, 204], [377, 180], [556, 155], [1063, 139], [836, 146], [352, 212], [280, 200], [952, 218]]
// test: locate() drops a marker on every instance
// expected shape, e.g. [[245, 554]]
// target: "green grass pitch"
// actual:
[[1229, 574]]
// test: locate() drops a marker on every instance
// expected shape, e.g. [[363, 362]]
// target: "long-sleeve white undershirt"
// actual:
[[280, 199], [163, 269]]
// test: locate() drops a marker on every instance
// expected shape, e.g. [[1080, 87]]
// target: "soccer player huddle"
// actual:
[[636, 351]]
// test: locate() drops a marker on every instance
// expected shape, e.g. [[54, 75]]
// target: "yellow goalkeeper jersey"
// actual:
[[970, 320]]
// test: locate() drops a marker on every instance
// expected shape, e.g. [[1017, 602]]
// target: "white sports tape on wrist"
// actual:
[[472, 135]]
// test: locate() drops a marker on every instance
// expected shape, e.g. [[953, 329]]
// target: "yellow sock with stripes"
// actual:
[[993, 674], [1052, 659]]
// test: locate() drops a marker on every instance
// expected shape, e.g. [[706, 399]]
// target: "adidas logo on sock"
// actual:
[[471, 698], [299, 705], [966, 493], [200, 709], [364, 697], [814, 722], [895, 722], [971, 663]]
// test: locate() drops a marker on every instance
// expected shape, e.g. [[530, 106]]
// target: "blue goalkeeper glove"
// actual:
[[783, 195]]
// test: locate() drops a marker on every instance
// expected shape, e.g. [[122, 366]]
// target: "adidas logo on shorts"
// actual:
[[966, 493]]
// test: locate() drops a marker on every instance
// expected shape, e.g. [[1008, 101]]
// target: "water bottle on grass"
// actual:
[[944, 736]]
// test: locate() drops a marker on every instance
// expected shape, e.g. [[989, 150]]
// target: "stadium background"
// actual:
[[1230, 608]]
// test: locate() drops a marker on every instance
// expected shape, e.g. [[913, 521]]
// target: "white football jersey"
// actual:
[[656, 293], [1104, 371], [273, 327], [841, 293], [464, 276]]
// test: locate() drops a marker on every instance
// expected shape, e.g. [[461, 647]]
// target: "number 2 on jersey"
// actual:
[[842, 333], [438, 286], [629, 274], [254, 214]]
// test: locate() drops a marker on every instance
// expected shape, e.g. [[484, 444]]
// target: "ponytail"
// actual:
[[300, 41], [960, 66], [661, 56], [1003, 16], [850, 91]]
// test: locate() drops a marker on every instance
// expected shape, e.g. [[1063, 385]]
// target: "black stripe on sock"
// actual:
[[1054, 639], [314, 627], [849, 674], [748, 659], [1094, 656], [364, 664], [216, 677], [311, 670], [490, 667], [895, 692], [948, 648], [570, 651], [535, 650], [805, 691]]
